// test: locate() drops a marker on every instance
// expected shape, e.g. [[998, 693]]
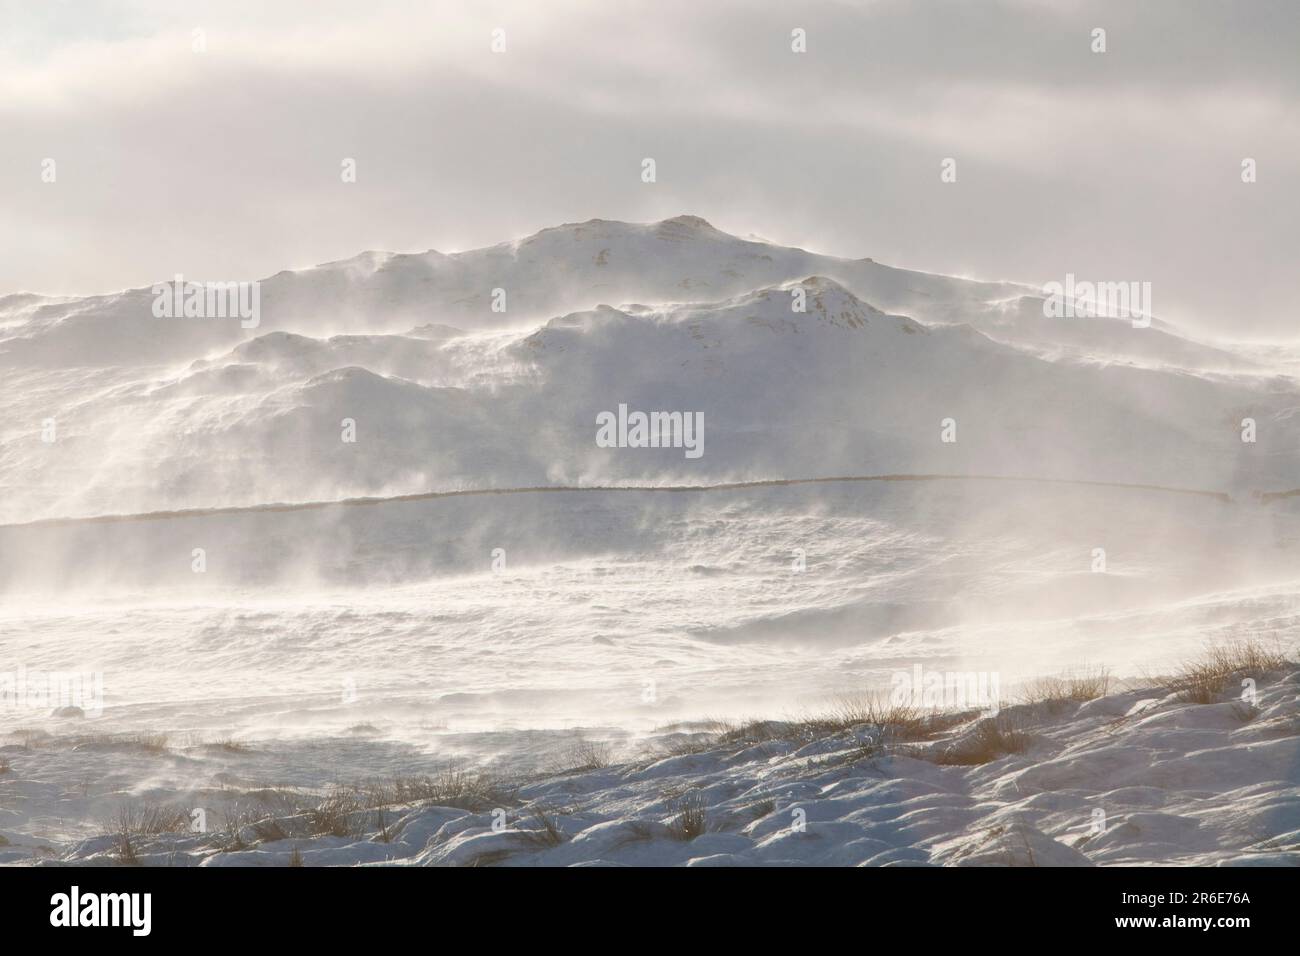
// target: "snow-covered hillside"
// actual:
[[445, 393]]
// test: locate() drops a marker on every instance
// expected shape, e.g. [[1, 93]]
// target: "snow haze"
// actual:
[[592, 413]]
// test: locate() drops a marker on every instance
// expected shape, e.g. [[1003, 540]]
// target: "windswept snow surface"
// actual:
[[1132, 778], [348, 643]]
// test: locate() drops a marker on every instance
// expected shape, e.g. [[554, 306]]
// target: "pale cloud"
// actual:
[[226, 163]]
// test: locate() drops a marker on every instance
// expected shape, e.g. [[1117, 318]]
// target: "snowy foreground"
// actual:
[[1135, 777]]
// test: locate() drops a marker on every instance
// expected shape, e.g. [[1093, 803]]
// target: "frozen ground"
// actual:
[[1134, 777]]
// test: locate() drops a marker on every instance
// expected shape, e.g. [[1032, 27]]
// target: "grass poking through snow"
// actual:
[[691, 818], [1073, 687], [582, 755], [1203, 680], [132, 823], [993, 737]]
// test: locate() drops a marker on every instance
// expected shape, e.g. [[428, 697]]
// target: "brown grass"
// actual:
[[148, 743], [892, 722], [150, 819], [231, 835], [266, 829], [1203, 680], [1074, 687], [889, 722], [751, 732], [581, 756], [332, 815], [993, 737], [691, 819], [547, 832], [450, 788], [125, 850], [382, 834]]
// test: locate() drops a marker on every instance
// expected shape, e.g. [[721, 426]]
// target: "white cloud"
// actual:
[[225, 163]]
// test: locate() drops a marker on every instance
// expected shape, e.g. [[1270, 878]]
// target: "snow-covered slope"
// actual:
[[843, 388], [1100, 782]]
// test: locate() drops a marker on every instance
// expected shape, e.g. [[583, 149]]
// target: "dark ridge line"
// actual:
[[1277, 495], [544, 489]]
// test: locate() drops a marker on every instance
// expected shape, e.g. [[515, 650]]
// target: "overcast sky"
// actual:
[[225, 164]]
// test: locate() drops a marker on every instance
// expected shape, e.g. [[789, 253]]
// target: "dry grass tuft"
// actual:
[[382, 834], [150, 819], [231, 835], [148, 743], [890, 721], [992, 738], [125, 850], [450, 788], [683, 747], [332, 815], [690, 820], [1204, 679], [1077, 687], [581, 756], [749, 732], [547, 832], [240, 819]]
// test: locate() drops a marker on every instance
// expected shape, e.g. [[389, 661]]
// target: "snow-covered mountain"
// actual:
[[556, 271], [161, 413]]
